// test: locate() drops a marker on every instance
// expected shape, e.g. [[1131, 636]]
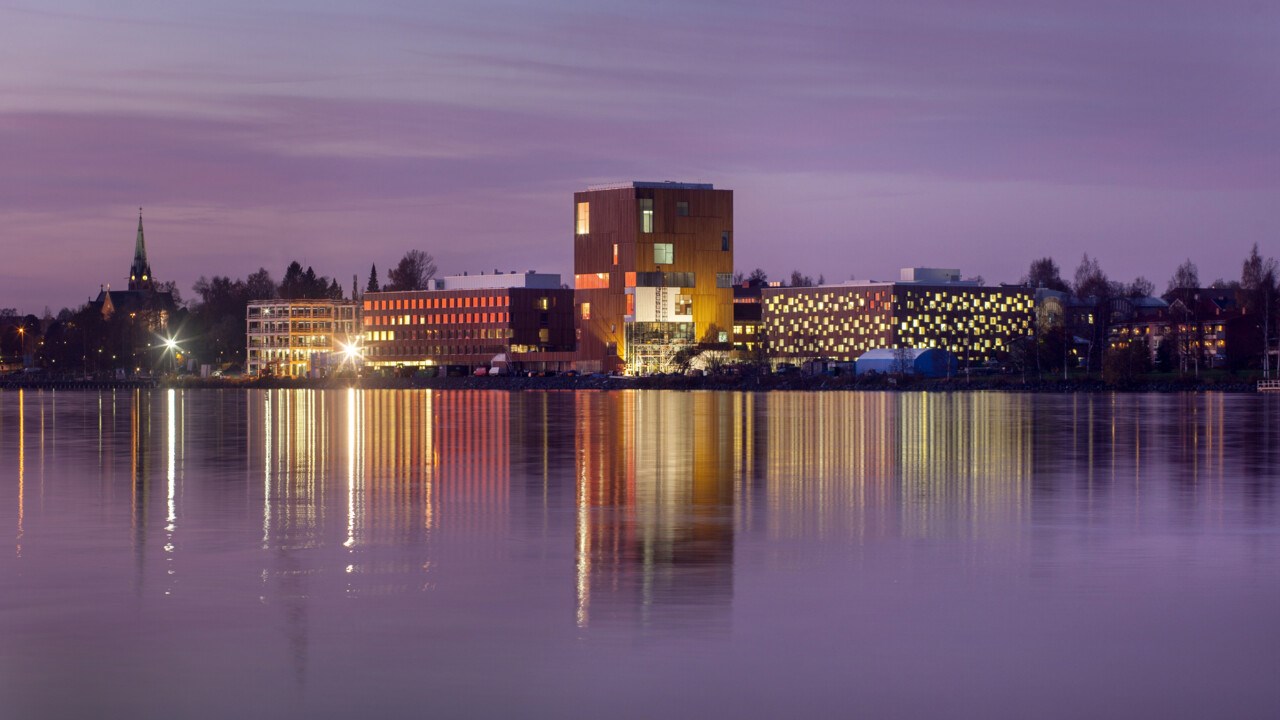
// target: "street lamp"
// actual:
[[171, 348], [350, 352]]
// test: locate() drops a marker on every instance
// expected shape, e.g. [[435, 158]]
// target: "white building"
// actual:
[[284, 335]]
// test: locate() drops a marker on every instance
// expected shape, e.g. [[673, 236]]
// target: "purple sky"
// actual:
[[858, 137]]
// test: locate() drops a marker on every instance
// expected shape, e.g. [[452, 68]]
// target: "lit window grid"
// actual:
[[842, 323], [285, 334]]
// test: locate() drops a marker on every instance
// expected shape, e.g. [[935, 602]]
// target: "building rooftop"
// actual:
[[499, 280], [650, 185]]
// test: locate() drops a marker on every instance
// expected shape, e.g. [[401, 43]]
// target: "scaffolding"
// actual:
[[651, 347]]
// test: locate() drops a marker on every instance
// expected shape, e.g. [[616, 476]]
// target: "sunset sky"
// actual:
[[858, 137]]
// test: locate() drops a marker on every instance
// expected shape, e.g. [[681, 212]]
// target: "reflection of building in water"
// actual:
[[541, 452], [655, 506], [1094, 451], [392, 465], [22, 471], [375, 472], [152, 414], [861, 464], [298, 430], [964, 463]]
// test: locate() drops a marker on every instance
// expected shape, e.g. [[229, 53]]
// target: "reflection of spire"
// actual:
[[22, 460], [138, 487]]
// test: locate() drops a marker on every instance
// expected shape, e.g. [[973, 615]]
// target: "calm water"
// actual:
[[638, 554]]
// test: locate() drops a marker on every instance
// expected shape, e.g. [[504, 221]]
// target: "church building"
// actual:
[[144, 304]]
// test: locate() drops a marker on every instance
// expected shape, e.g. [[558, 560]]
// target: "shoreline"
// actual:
[[728, 383]]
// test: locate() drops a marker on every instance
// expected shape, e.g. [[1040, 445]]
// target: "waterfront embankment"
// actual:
[[739, 383]]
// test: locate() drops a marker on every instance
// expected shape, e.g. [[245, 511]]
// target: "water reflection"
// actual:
[[656, 480], [320, 524]]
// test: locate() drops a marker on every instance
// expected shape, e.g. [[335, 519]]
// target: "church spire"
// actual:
[[140, 247], [140, 272]]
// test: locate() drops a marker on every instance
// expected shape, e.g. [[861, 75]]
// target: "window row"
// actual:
[[438, 319], [439, 303]]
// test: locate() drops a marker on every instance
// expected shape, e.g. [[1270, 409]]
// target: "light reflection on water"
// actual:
[[637, 553]]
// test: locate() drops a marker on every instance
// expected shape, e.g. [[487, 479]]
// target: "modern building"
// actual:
[[286, 337], [653, 272], [748, 317], [521, 321], [926, 308]]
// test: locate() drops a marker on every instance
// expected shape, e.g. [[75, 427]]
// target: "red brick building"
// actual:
[[522, 322]]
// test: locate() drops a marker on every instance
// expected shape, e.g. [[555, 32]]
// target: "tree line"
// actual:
[[210, 326]]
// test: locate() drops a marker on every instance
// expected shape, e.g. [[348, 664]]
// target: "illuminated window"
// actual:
[[615, 253], [586, 311], [682, 208], [663, 253], [591, 281], [584, 218], [542, 303], [646, 215], [684, 304]]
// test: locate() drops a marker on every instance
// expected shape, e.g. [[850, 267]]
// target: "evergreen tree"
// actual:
[[372, 286]]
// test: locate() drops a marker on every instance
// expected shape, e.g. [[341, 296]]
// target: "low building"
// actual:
[[1188, 329], [470, 321], [286, 336], [927, 308], [921, 362]]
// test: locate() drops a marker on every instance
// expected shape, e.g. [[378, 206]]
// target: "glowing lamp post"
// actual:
[[172, 350]]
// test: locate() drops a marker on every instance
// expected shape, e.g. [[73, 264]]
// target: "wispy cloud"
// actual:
[[359, 130]]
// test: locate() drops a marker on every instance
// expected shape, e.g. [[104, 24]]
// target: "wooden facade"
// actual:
[[617, 252]]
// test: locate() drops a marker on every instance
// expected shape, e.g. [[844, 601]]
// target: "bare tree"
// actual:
[[799, 279], [1258, 280], [1091, 281], [1091, 284], [1045, 273], [1186, 277], [1140, 288], [414, 271]]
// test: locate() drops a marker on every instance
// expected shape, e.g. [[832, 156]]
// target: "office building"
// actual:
[[925, 308], [510, 320], [653, 272]]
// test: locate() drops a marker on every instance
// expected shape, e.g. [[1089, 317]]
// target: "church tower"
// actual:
[[140, 272]]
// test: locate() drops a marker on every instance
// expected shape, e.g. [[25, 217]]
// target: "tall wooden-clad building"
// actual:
[[653, 272]]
